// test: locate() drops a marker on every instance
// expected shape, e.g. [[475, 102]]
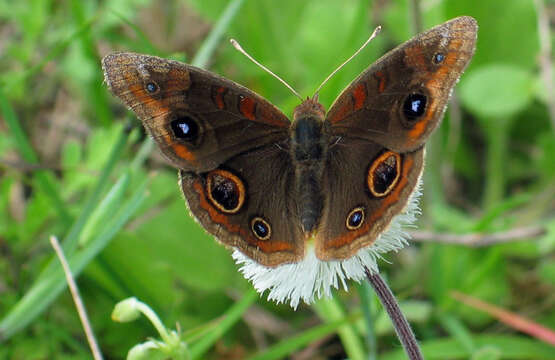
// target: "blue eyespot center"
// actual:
[[438, 58], [185, 128], [414, 106], [355, 218], [261, 228], [151, 87]]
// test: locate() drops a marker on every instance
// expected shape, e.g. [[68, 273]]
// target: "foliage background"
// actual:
[[70, 167]]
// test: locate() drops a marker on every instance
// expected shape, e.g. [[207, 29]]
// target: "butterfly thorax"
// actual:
[[308, 153]]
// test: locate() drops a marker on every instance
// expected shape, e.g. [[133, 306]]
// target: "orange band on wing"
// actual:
[[359, 95], [391, 199], [223, 220], [419, 128], [219, 97], [382, 81], [247, 107]]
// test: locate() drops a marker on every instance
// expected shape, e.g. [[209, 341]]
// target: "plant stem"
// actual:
[[400, 323]]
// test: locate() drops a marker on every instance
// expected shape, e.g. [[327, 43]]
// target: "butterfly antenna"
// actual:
[[374, 34], [240, 49]]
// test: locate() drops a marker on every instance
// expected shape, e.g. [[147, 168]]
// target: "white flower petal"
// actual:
[[312, 278]]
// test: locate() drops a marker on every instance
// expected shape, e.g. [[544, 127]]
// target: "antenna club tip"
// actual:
[[235, 44]]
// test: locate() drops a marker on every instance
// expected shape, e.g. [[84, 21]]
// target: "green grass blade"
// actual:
[[229, 319], [70, 241], [24, 146], [48, 287], [98, 97], [21, 314], [510, 348], [209, 45], [290, 345], [330, 310], [54, 53], [366, 303]]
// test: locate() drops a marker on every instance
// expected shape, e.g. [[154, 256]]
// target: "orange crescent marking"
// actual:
[[220, 92], [359, 94], [247, 107], [381, 81], [420, 126], [387, 202], [342, 112], [219, 218]]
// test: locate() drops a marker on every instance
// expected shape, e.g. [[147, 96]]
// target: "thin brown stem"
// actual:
[[97, 355], [400, 323]]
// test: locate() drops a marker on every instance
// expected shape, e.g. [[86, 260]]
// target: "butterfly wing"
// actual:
[[378, 127], [400, 99], [360, 206], [230, 145], [197, 118], [261, 223]]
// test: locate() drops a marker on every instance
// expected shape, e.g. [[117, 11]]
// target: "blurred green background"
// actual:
[[74, 164]]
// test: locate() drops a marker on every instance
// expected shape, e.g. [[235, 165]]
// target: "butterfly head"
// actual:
[[310, 108]]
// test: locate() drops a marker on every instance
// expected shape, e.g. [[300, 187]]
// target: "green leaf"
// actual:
[[497, 91]]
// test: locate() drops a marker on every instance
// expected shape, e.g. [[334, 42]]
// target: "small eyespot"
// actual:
[[355, 219], [260, 228], [225, 191], [384, 173], [438, 58], [185, 128], [414, 106], [151, 87]]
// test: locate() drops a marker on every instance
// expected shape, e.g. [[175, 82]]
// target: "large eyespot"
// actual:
[[185, 128], [151, 87], [384, 174], [355, 219], [438, 58], [414, 106], [260, 228], [225, 191]]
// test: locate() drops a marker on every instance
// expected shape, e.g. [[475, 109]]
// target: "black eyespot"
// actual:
[[261, 228], [185, 128], [438, 58], [414, 106], [225, 190], [355, 218], [151, 87], [384, 174]]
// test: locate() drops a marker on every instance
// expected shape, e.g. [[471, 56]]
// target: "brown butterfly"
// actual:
[[325, 183]]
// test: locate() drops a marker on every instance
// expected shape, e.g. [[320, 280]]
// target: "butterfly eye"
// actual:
[[225, 191], [438, 58], [185, 128], [151, 87], [355, 219], [384, 174], [261, 228], [414, 106]]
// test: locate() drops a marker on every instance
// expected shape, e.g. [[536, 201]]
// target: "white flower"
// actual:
[[312, 278]]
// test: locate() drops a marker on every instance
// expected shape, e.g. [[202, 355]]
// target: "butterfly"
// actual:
[[307, 203]]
